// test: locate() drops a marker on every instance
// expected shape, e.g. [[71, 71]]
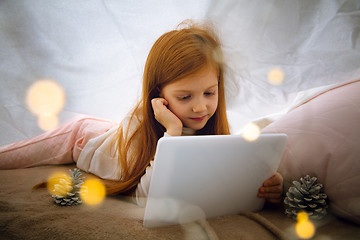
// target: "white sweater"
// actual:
[[100, 157]]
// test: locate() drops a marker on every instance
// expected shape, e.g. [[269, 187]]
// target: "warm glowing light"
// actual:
[[59, 183], [302, 217], [276, 76], [92, 192], [45, 99], [45, 96], [48, 121], [305, 229], [251, 132]]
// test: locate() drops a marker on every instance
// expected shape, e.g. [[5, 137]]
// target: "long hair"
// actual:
[[175, 55]]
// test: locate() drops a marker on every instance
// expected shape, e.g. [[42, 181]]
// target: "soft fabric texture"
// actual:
[[32, 214], [324, 142], [62, 145], [90, 142]]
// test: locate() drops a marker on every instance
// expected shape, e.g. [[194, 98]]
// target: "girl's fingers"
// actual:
[[277, 179], [158, 103], [159, 107], [272, 194], [272, 189]]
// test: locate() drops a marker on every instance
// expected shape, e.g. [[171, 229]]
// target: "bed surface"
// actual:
[[31, 214]]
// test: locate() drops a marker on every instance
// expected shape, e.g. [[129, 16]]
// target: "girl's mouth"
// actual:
[[198, 119]]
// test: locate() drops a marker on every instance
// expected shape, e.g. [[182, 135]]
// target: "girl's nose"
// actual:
[[199, 106]]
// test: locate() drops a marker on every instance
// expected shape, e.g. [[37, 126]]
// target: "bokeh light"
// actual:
[[251, 132], [92, 192], [59, 183], [304, 228], [276, 76], [45, 99], [48, 121]]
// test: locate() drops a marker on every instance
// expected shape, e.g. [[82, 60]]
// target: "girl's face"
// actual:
[[193, 99]]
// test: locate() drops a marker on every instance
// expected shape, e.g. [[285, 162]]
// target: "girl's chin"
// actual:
[[196, 126]]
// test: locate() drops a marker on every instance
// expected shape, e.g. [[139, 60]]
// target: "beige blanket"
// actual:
[[32, 214]]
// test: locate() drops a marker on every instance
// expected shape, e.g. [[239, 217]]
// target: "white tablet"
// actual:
[[209, 176]]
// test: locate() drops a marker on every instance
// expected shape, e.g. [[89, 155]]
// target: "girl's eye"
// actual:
[[184, 97], [209, 93]]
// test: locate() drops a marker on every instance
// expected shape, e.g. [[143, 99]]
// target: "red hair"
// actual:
[[175, 55]]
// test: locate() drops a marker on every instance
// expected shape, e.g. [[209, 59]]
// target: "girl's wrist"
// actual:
[[174, 132]]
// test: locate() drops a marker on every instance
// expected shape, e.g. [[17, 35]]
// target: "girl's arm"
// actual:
[[272, 189], [173, 127]]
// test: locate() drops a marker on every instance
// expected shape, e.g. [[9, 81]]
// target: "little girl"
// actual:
[[182, 94]]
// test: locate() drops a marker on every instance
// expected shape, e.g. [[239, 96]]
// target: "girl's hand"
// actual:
[[272, 189], [165, 117]]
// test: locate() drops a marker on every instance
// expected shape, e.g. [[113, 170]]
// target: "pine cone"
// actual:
[[67, 193], [306, 197]]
